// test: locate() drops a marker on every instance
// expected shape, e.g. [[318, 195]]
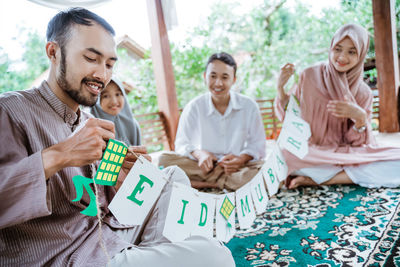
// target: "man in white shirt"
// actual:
[[220, 140]]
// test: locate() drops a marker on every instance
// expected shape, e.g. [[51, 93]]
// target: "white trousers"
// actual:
[[153, 249], [375, 174]]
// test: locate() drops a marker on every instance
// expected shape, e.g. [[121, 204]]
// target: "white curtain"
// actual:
[[62, 4]]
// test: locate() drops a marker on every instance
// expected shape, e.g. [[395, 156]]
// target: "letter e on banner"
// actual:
[[138, 193]]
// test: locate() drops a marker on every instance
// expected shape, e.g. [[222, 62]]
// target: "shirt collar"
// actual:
[[65, 112], [233, 104]]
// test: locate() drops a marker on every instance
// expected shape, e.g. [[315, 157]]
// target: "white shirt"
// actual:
[[239, 131]]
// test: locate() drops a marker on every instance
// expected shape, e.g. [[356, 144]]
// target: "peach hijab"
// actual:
[[333, 141], [339, 84]]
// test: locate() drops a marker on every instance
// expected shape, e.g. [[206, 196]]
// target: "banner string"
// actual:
[[100, 235]]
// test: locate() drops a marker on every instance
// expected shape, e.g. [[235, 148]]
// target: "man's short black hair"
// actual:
[[59, 27], [224, 57]]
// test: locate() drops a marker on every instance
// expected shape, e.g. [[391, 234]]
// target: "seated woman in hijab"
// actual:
[[113, 105], [337, 104]]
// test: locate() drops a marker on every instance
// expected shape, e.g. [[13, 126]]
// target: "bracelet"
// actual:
[[359, 130]]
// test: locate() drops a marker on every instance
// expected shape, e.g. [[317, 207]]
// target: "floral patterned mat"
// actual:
[[324, 226]]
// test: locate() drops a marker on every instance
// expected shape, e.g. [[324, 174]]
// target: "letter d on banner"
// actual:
[[138, 193], [204, 219]]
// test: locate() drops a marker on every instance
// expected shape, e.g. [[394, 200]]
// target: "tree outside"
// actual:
[[262, 41]]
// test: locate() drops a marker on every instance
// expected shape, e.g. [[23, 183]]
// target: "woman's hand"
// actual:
[[348, 109], [284, 75]]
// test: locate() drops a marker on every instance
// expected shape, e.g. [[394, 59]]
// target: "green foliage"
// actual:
[[33, 63], [262, 40], [138, 73]]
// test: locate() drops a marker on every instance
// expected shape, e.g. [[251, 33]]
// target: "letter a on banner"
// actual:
[[182, 210], [225, 217], [138, 193], [244, 206], [204, 221], [279, 163], [258, 192]]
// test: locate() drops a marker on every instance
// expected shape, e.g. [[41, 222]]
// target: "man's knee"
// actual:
[[212, 253], [177, 175]]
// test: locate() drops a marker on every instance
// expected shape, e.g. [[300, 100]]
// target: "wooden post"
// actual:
[[163, 71], [386, 63]]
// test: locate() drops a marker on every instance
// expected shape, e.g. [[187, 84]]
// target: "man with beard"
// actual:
[[46, 140]]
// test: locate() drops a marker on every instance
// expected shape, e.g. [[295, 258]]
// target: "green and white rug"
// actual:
[[324, 226]]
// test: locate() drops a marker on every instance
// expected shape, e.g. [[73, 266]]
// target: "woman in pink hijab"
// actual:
[[337, 104]]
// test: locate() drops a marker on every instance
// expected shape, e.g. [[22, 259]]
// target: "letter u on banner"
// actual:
[[259, 193], [138, 193]]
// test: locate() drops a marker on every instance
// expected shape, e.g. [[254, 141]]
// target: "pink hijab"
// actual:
[[339, 84]]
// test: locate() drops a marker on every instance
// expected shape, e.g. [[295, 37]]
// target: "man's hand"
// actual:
[[83, 147], [206, 160], [131, 156], [232, 163], [348, 109]]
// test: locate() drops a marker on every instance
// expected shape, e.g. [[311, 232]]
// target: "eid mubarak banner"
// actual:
[[191, 212]]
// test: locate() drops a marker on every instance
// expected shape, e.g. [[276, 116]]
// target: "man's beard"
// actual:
[[75, 94]]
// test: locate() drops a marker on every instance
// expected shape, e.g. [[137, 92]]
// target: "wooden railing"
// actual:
[[272, 124], [153, 130], [154, 134]]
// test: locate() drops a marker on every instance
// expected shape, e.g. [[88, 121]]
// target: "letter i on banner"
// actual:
[[225, 217], [138, 193], [204, 222], [259, 193], [270, 176], [244, 206], [279, 163], [182, 210]]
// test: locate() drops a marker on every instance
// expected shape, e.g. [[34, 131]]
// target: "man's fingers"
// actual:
[[105, 134], [105, 124], [138, 149]]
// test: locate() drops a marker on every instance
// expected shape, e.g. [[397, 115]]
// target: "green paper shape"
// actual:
[[226, 208], [81, 182], [111, 163]]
